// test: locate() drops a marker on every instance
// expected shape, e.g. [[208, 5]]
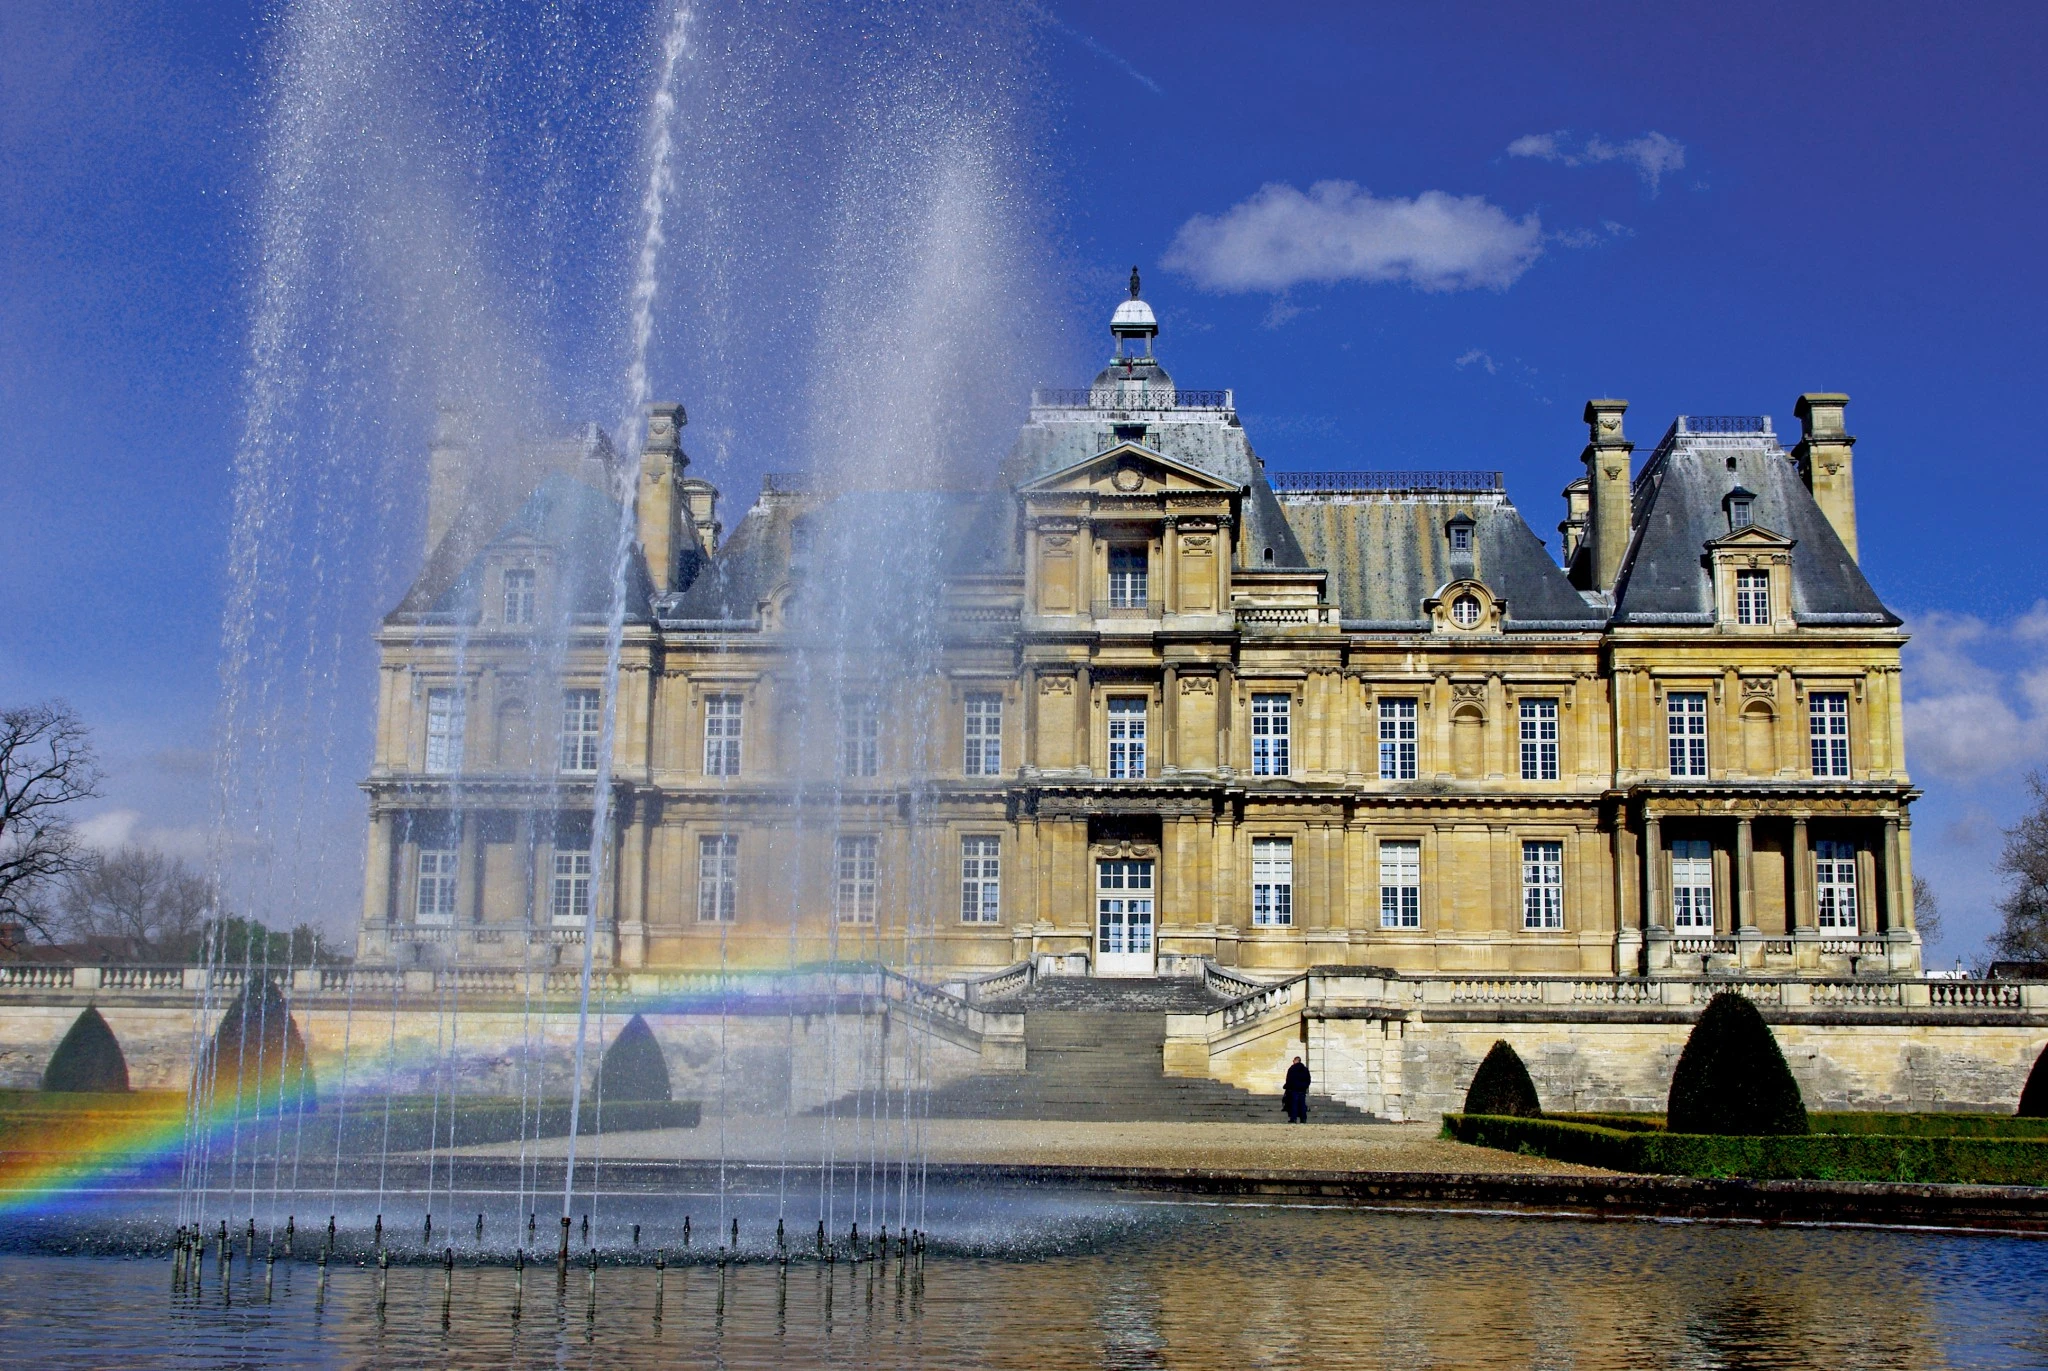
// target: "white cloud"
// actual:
[[1651, 154], [1477, 357], [1977, 695], [117, 828], [1338, 231]]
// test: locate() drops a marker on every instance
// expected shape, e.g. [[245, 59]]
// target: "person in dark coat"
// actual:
[[1294, 1095]]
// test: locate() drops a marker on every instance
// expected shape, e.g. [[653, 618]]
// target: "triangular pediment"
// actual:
[[1127, 469], [1750, 536]]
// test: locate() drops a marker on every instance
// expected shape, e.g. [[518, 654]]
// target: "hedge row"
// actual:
[[1863, 1122], [1871, 1156]]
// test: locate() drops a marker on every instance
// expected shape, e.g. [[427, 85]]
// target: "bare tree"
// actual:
[[2024, 935], [1926, 912], [47, 765], [155, 905]]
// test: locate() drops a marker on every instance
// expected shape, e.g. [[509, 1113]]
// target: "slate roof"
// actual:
[[1387, 551], [578, 523], [1665, 579]]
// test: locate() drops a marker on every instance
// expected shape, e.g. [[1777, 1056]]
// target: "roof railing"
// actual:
[[1129, 396], [1376, 482]]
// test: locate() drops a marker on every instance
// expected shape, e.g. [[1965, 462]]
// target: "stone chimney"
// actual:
[[447, 476], [700, 507], [1573, 529], [1608, 476], [662, 464], [1824, 461]]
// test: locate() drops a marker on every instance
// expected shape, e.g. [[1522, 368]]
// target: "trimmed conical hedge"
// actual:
[[633, 1067], [2034, 1097], [1732, 1078], [89, 1058], [1501, 1085]]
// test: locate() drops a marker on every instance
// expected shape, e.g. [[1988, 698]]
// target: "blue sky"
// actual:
[[1701, 208]]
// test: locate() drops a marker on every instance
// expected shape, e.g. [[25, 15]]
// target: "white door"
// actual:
[[1123, 918]]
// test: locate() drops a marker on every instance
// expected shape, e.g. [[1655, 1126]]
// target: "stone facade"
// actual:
[[1156, 706]]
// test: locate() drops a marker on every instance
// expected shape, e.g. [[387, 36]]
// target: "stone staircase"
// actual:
[[1094, 1052]]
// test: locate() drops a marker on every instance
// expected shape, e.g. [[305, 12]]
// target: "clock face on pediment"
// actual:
[[1127, 469]]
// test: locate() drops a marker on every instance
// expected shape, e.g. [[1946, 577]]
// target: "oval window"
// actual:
[[1465, 611]]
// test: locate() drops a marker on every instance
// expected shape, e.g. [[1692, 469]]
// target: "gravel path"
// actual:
[[1212, 1146]]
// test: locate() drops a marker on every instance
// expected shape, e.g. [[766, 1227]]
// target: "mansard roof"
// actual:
[[1384, 542], [1679, 509], [575, 525]]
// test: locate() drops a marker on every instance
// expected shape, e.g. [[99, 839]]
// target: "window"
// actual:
[[518, 598], [569, 898], [1128, 582], [444, 731], [1752, 597], [1828, 722], [1269, 735], [1738, 512], [718, 878], [1686, 717], [1465, 611], [855, 862], [722, 720], [1397, 740], [860, 728], [1126, 738], [1461, 536], [1401, 885], [1543, 885], [984, 732], [582, 725], [1539, 740], [981, 892], [1692, 886], [1835, 884], [1272, 882], [435, 903]]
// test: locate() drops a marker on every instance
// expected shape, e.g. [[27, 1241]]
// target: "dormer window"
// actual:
[[1460, 531], [1752, 597], [1465, 610], [1740, 503], [519, 597], [1130, 433]]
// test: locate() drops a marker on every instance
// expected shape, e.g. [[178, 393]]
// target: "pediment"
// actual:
[[1127, 469], [1751, 537]]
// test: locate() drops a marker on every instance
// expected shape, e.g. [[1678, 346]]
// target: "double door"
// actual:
[[1124, 917]]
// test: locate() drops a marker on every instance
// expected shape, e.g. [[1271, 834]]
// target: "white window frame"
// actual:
[[1273, 882], [1466, 610], [1827, 727], [1685, 716], [982, 731], [718, 878], [518, 588], [569, 887], [1542, 884], [1272, 726], [1539, 739], [1752, 597], [1400, 862], [860, 735], [856, 873], [1397, 720], [1692, 886], [725, 716], [582, 729], [1130, 585], [434, 897], [1836, 899], [981, 879], [447, 718], [1126, 728]]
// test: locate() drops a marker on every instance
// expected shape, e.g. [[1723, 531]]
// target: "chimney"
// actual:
[[1573, 529], [1824, 461], [447, 475], [700, 507], [1607, 458], [662, 464]]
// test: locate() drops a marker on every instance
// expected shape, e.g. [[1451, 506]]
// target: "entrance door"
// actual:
[[1123, 918]]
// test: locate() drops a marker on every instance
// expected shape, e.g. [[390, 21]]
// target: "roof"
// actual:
[[1386, 552], [1679, 509]]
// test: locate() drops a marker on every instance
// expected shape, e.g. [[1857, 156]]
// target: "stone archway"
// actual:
[[89, 1059]]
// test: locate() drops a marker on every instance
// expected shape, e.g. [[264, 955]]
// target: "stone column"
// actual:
[[1898, 908], [377, 877], [1745, 874], [1226, 690], [1657, 905], [1169, 566], [1169, 718], [1802, 879], [1084, 723]]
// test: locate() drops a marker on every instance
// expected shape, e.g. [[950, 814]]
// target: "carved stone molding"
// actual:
[[1198, 685], [1056, 685]]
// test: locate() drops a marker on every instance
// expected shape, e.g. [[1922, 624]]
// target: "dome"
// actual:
[[1133, 314]]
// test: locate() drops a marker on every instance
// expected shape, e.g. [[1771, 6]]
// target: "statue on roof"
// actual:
[[1134, 283]]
